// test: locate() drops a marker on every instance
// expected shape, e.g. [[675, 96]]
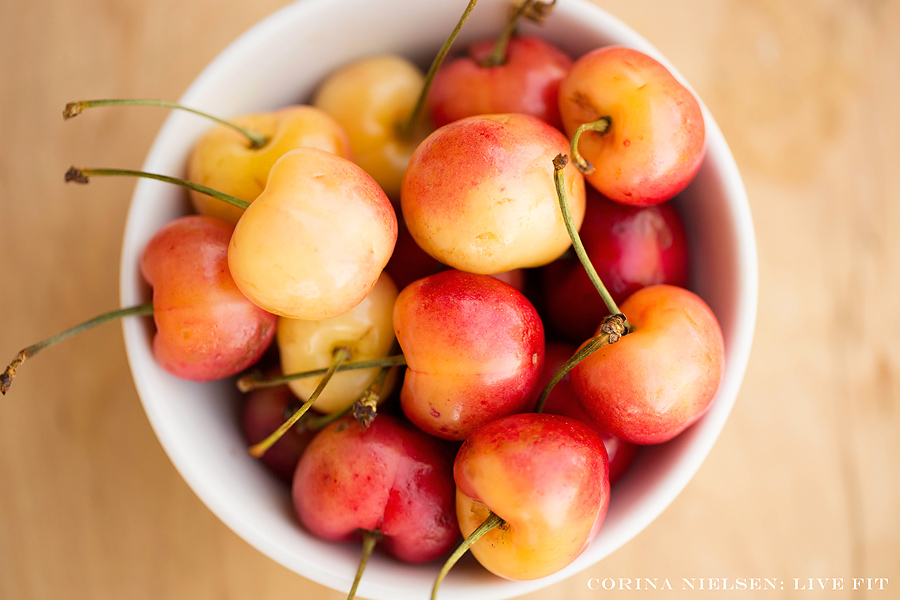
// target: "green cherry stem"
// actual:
[[73, 109], [613, 329], [531, 9], [600, 126], [257, 380], [407, 127], [7, 376], [84, 175], [370, 538], [559, 164], [492, 522], [257, 450], [366, 406]]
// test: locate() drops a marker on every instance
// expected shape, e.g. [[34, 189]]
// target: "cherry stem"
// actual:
[[407, 127], [7, 376], [311, 423], [600, 126], [492, 522], [613, 328], [559, 165], [365, 409], [340, 355], [73, 109], [370, 538], [257, 380], [84, 175], [532, 9]]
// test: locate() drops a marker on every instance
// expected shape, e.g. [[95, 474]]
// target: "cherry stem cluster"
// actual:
[[530, 9], [370, 538], [84, 175], [340, 355], [407, 127], [559, 165], [491, 522], [73, 109], [257, 380], [612, 329], [7, 376], [600, 126]]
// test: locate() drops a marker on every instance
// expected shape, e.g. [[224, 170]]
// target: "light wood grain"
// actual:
[[804, 481]]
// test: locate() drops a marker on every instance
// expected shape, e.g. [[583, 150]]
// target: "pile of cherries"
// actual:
[[527, 183]]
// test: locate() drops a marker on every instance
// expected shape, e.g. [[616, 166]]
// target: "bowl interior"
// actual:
[[280, 61]]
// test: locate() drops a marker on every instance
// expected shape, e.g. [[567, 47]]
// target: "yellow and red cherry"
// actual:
[[223, 160], [657, 380], [366, 332], [544, 480], [389, 483], [479, 194], [630, 247], [526, 80], [645, 139], [206, 328], [474, 348], [314, 243], [372, 98]]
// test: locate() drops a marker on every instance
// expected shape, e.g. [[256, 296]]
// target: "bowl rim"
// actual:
[[710, 426]]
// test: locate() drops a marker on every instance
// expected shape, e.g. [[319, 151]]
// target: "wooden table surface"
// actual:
[[803, 482]]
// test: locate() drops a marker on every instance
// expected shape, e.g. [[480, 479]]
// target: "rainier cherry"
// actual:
[[479, 196], [474, 348], [649, 138], [660, 378], [314, 243], [542, 481]]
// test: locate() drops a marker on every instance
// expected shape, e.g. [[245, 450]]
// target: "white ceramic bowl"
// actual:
[[280, 61]]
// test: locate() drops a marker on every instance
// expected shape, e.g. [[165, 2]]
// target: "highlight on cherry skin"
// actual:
[[474, 349], [224, 160], [653, 143], [660, 378], [205, 327], [630, 247], [546, 477], [366, 332], [314, 243], [479, 195]]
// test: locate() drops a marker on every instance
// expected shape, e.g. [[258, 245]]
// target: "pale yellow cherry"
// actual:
[[373, 98], [367, 333], [224, 160], [314, 243]]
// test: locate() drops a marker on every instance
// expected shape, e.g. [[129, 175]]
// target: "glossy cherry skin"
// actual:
[[528, 82], [656, 141], [390, 477], [659, 379], [474, 348], [314, 243], [205, 327], [264, 410], [564, 401], [547, 477], [479, 194], [224, 161], [630, 247]]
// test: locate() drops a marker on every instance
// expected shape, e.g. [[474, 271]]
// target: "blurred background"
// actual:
[[804, 481]]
